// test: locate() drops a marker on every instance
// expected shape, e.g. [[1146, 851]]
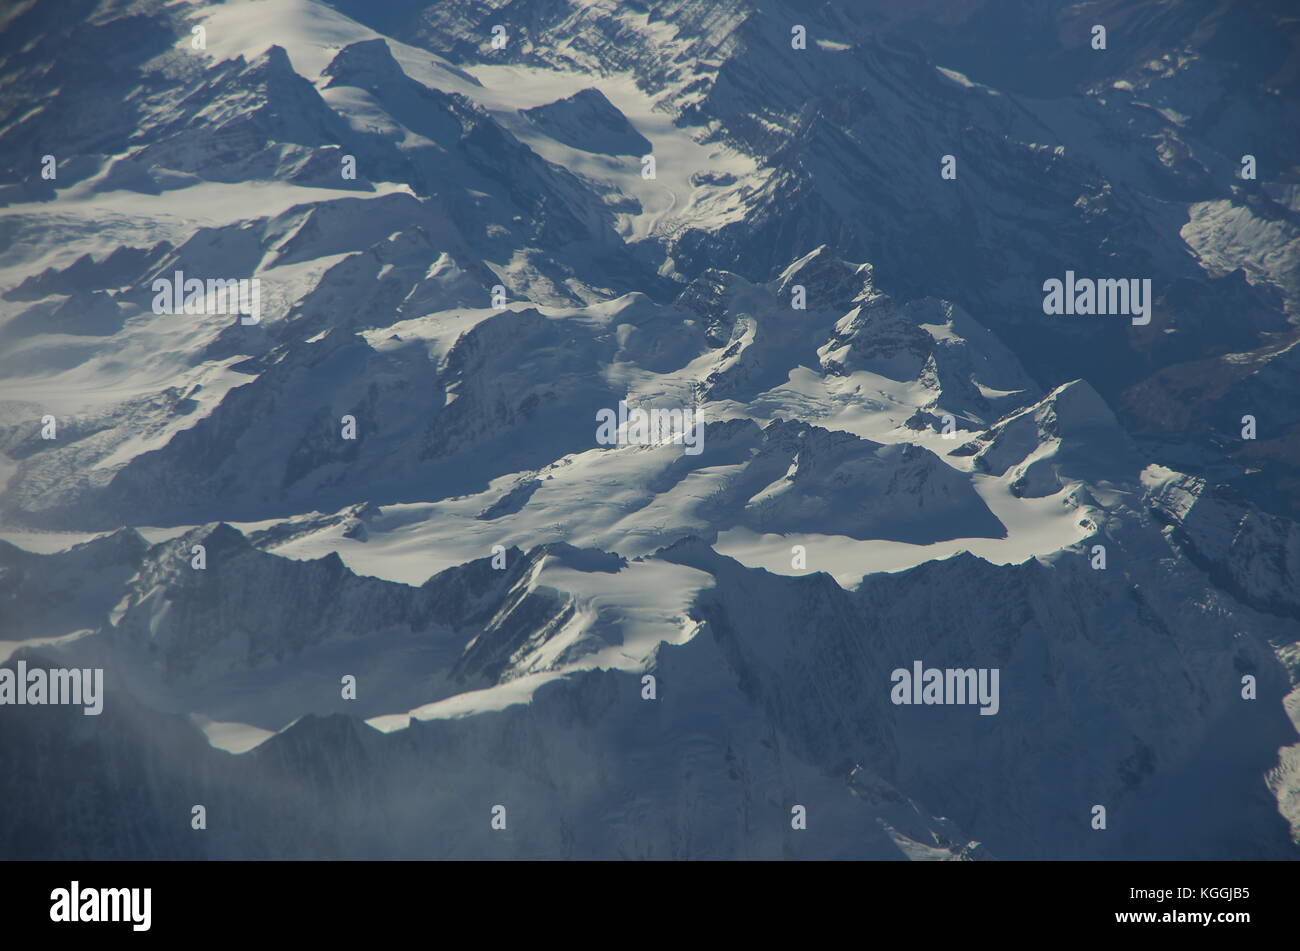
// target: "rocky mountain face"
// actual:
[[635, 413]]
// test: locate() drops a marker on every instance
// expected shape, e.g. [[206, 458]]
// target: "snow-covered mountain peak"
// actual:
[[1069, 434]]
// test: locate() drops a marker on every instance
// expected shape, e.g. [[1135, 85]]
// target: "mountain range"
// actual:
[[364, 583]]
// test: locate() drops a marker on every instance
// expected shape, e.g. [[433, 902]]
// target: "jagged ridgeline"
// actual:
[[545, 430]]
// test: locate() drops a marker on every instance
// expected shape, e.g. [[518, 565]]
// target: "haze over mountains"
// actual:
[[637, 651]]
